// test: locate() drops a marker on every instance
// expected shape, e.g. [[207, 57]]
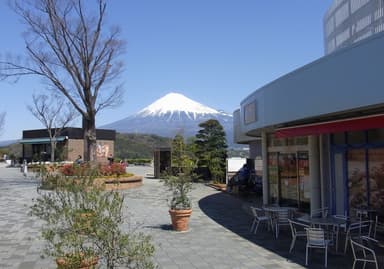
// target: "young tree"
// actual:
[[67, 45], [182, 158], [178, 152], [54, 114], [211, 148]]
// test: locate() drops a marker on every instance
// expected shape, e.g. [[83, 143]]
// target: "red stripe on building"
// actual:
[[353, 124]]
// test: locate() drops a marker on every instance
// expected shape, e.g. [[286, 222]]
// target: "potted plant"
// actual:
[[180, 203], [179, 182], [83, 226]]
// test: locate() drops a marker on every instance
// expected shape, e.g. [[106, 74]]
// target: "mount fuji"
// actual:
[[170, 115]]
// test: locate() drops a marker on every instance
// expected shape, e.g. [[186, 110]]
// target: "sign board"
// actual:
[[235, 164]]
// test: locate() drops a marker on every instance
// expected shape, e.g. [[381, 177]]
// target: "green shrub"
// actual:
[[100, 234]]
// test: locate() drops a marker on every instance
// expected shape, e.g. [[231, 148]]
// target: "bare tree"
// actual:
[[2, 122], [67, 45], [54, 114]]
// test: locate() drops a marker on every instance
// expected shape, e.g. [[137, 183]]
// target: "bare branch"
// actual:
[[54, 113], [68, 46]]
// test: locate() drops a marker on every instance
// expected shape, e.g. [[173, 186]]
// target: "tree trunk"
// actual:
[[53, 147], [89, 129]]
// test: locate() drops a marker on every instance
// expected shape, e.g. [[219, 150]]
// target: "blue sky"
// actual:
[[215, 52]]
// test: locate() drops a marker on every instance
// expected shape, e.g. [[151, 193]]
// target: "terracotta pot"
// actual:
[[86, 263], [180, 219]]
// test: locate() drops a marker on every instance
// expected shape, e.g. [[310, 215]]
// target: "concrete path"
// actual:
[[219, 234]]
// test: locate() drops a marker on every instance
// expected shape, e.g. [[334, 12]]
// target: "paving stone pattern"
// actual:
[[219, 234]]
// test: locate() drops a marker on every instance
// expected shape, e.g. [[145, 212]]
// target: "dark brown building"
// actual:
[[70, 144]]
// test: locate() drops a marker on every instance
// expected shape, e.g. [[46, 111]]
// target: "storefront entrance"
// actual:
[[289, 179]]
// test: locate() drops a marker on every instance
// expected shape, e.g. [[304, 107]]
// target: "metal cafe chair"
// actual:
[[259, 217], [362, 253], [379, 226], [298, 230], [281, 219], [357, 229], [316, 239]]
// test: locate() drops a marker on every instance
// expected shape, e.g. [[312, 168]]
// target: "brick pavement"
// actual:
[[219, 234]]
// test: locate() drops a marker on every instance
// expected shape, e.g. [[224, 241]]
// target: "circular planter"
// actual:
[[180, 219], [119, 183]]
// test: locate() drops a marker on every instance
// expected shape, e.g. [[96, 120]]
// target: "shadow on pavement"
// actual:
[[165, 227], [227, 210]]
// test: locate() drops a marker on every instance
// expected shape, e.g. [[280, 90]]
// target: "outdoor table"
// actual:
[[274, 209], [325, 221]]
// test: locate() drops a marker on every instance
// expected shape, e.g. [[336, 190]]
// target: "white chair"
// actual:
[[259, 217], [357, 229], [379, 226], [316, 239], [281, 219], [340, 228], [298, 230], [361, 213], [362, 253]]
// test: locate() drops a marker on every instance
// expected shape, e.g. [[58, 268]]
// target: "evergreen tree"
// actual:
[[211, 149]]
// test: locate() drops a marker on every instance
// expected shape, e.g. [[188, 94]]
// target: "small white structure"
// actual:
[[233, 165]]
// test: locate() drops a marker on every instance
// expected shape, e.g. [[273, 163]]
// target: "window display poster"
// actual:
[[303, 171], [273, 175]]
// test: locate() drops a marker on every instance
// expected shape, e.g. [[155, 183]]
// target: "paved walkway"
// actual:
[[219, 234]]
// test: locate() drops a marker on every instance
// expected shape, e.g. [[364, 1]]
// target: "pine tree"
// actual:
[[211, 149]]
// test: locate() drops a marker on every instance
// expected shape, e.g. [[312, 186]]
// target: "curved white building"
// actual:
[[320, 129], [349, 21]]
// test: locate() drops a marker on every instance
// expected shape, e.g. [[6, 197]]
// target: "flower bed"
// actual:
[[109, 177]]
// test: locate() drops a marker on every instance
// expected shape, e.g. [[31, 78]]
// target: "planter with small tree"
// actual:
[[180, 203], [179, 183]]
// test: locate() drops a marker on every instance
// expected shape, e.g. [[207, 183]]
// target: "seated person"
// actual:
[[79, 160], [244, 175], [241, 177]]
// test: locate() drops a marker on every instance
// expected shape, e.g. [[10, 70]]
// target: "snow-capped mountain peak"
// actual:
[[174, 103], [170, 115]]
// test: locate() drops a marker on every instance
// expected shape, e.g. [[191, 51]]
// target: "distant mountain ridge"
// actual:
[[6, 143], [170, 115]]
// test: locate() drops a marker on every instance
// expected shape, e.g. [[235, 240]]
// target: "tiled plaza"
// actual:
[[219, 235]]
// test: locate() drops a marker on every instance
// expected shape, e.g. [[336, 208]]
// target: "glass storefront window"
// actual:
[[278, 142], [376, 179], [304, 180], [273, 177], [356, 137], [339, 139], [291, 141], [376, 136], [302, 140], [288, 179], [272, 141], [357, 181]]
